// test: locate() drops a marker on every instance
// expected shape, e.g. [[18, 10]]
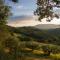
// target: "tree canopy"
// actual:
[[4, 11], [14, 0], [45, 9]]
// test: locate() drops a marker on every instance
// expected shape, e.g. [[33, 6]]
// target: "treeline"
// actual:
[[30, 33]]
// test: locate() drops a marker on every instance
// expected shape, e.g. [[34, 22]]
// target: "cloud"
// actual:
[[19, 6]]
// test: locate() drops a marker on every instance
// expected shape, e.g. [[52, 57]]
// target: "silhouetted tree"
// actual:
[[4, 13], [45, 9]]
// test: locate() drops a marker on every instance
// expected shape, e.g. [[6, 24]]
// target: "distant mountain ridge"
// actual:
[[18, 21], [47, 26]]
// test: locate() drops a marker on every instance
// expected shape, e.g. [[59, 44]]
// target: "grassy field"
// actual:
[[37, 54]]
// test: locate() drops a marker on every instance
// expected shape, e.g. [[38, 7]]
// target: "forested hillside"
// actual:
[[43, 41], [26, 43], [39, 35]]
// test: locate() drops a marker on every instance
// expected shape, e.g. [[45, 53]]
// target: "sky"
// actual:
[[27, 7], [23, 7]]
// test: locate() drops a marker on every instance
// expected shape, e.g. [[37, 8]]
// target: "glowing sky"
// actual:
[[32, 22], [27, 7]]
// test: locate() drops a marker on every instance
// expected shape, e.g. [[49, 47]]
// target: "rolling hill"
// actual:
[[41, 35], [30, 43], [47, 26]]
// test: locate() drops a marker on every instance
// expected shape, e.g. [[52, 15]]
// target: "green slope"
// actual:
[[44, 36]]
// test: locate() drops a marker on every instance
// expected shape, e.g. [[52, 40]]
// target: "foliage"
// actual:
[[16, 42], [8, 48], [11, 42], [32, 45], [15, 0], [25, 40], [33, 34], [48, 49], [45, 9], [4, 13]]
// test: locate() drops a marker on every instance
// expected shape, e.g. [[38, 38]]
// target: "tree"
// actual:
[[4, 13], [45, 9]]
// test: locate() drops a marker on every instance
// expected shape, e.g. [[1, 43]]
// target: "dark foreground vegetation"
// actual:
[[29, 43]]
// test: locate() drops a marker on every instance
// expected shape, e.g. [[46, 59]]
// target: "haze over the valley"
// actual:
[[30, 21]]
